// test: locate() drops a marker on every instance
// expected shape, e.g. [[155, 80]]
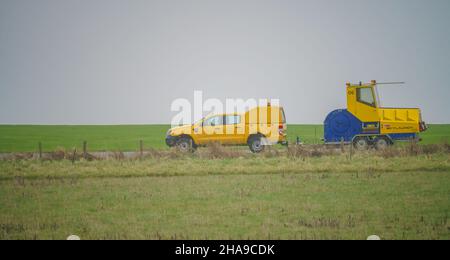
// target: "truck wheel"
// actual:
[[256, 144], [185, 145], [361, 143], [381, 143]]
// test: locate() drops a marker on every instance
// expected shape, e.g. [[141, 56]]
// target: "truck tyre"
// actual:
[[255, 144], [381, 143], [361, 143], [185, 144]]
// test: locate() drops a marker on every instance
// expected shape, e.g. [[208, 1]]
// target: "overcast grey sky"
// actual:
[[124, 62]]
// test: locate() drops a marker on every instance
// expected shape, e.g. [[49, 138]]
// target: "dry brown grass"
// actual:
[[413, 149], [215, 150], [218, 151], [62, 154], [172, 153], [270, 152], [58, 154], [118, 155], [298, 151], [153, 154], [21, 156]]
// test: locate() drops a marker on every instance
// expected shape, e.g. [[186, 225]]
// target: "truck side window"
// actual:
[[365, 96], [232, 120], [214, 121]]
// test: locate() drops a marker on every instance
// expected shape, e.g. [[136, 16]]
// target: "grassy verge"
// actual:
[[192, 166], [328, 197]]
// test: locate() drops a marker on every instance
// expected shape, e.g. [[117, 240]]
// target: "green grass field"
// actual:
[[126, 137], [247, 198]]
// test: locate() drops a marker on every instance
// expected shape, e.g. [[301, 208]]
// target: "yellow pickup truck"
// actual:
[[258, 127]]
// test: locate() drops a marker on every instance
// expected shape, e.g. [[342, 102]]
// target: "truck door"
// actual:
[[234, 129], [212, 130], [366, 105]]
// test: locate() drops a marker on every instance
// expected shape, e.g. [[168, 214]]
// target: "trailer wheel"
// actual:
[[361, 143], [381, 143]]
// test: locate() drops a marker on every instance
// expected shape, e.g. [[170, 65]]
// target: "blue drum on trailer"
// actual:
[[341, 125]]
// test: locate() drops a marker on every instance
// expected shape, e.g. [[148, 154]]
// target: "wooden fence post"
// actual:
[[74, 155], [40, 150], [85, 150], [141, 148], [315, 135]]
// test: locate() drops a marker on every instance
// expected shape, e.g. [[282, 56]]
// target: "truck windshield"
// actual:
[[213, 121], [366, 96]]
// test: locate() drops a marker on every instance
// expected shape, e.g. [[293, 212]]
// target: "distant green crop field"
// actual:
[[25, 138], [99, 138]]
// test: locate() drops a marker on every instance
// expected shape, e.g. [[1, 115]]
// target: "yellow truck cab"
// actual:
[[258, 127]]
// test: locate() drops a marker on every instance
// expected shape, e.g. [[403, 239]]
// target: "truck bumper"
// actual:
[[171, 141], [285, 143], [283, 139]]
